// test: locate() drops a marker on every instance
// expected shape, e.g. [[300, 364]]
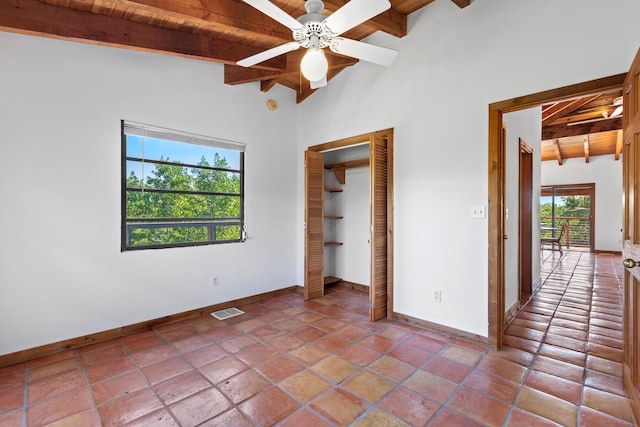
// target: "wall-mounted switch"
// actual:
[[437, 296], [478, 212]]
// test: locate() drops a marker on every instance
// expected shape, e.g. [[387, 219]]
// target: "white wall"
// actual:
[[354, 263], [523, 124], [453, 63], [62, 274], [606, 173]]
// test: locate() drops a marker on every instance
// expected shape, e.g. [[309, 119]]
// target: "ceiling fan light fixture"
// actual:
[[314, 65]]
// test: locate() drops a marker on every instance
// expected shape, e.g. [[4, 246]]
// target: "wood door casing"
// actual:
[[378, 229], [382, 289], [526, 218], [496, 200], [631, 233], [314, 225]]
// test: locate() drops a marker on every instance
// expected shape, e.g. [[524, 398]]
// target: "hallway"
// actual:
[[572, 331], [292, 363]]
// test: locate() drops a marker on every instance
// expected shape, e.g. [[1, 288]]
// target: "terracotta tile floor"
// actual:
[[288, 362]]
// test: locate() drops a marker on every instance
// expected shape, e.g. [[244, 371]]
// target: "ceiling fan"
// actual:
[[618, 110], [315, 31]]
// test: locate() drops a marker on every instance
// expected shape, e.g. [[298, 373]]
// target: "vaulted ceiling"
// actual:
[[222, 31], [583, 127], [226, 31]]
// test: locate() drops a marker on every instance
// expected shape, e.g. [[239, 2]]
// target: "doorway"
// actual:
[[572, 206], [381, 219], [496, 205]]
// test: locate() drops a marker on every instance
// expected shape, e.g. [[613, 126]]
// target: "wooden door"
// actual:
[[631, 232], [525, 220], [314, 225], [379, 228]]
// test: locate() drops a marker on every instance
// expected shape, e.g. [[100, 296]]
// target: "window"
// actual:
[[570, 205], [180, 189]]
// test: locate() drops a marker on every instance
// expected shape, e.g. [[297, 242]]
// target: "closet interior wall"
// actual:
[[351, 259]]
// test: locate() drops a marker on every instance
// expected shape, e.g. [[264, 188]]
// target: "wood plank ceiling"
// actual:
[[583, 127], [222, 31]]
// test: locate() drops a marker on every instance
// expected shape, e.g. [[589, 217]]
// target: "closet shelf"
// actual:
[[333, 243], [333, 190], [339, 168], [333, 217], [330, 279]]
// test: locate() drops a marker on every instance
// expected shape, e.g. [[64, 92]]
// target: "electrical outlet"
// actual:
[[437, 296], [215, 282]]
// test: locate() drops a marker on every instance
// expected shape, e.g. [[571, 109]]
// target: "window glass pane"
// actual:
[[167, 205], [139, 236], [180, 152], [134, 173], [228, 232], [186, 178]]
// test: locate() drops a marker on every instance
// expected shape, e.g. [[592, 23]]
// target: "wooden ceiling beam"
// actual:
[[556, 149], [36, 18], [592, 116], [562, 131], [563, 108], [409, 6], [462, 3], [266, 85], [586, 149], [223, 17], [235, 74]]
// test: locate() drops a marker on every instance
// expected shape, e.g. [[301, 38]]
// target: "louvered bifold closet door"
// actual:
[[314, 225], [379, 230]]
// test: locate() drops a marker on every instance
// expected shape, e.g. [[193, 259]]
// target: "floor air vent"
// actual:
[[225, 314]]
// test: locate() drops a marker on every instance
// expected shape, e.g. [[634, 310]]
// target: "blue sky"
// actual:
[[547, 200], [175, 151]]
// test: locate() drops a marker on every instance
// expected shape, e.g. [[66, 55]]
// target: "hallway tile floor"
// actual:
[[288, 362]]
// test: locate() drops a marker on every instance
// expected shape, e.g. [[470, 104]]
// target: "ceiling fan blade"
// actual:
[[616, 112], [319, 83], [268, 54], [367, 52], [354, 13], [273, 11]]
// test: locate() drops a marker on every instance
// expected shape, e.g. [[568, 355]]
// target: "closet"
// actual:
[[337, 244], [346, 216]]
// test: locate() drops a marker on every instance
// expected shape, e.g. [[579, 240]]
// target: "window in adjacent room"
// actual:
[[180, 189]]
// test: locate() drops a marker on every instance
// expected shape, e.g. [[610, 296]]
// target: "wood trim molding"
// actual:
[[496, 164], [390, 222], [605, 252], [369, 138], [512, 312], [572, 91], [630, 392], [354, 140], [441, 329], [355, 286], [74, 343]]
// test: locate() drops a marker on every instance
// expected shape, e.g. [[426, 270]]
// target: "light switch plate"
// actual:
[[478, 212]]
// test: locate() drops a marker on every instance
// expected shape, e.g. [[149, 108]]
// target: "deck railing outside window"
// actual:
[[578, 230]]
